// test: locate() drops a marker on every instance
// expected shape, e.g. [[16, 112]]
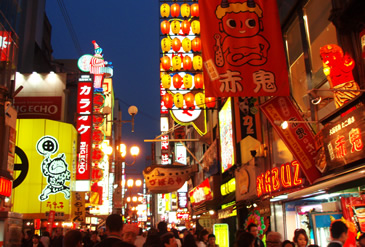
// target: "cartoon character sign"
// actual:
[[97, 65], [55, 170]]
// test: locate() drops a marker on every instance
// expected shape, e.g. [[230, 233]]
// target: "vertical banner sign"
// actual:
[[78, 207], [298, 137], [5, 44], [51, 217], [84, 127], [243, 51]]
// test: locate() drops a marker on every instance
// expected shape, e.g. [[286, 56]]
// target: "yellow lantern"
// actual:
[[165, 10], [166, 44], [175, 27], [200, 100], [166, 81], [185, 10], [188, 81], [176, 63], [179, 100], [195, 27], [197, 62], [186, 44]]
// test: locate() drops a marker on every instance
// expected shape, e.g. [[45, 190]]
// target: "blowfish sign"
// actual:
[[243, 49]]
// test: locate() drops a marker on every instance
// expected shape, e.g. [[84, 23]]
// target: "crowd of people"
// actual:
[[117, 235]]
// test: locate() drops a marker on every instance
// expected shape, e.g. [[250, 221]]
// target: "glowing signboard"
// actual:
[[5, 43], [201, 193], [226, 136], [221, 232]]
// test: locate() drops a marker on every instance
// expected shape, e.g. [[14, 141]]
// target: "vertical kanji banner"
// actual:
[[243, 50]]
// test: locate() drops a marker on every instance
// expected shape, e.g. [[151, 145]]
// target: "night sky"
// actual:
[[128, 32]]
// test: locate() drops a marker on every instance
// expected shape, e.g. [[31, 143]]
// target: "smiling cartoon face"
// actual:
[[242, 24]]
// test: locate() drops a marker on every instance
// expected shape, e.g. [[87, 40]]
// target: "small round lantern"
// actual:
[[197, 62], [175, 10], [176, 63], [175, 27], [188, 81], [186, 44], [187, 63], [185, 27], [198, 81], [165, 10], [210, 102], [98, 120], [176, 44], [177, 81], [196, 44], [189, 100], [166, 62], [195, 27], [194, 10], [98, 136], [185, 10], [166, 81], [97, 155], [179, 100], [165, 27], [200, 100], [168, 100], [166, 44], [98, 100]]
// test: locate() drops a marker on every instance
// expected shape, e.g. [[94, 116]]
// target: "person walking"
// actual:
[[203, 238], [253, 229], [338, 232], [211, 241], [73, 238], [300, 238], [245, 239]]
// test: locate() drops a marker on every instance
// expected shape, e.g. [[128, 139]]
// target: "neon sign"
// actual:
[[5, 44]]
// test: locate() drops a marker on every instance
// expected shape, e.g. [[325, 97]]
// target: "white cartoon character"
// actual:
[[55, 170]]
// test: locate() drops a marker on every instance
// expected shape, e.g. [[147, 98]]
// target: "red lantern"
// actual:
[[97, 154], [198, 81], [194, 10], [177, 81], [98, 120], [175, 10], [187, 63], [176, 44], [196, 44], [185, 27], [168, 100], [189, 100], [166, 62], [165, 27], [210, 102], [98, 136]]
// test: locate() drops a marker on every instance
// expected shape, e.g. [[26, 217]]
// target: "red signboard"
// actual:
[[298, 137], [183, 216], [39, 107], [243, 51], [51, 217], [5, 44], [5, 187], [201, 193], [84, 127]]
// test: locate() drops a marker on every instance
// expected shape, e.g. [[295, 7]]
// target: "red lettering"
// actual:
[[296, 180], [286, 175], [260, 185], [267, 181], [275, 179]]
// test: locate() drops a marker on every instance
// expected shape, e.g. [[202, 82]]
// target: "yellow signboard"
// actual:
[[45, 155], [78, 206], [221, 232]]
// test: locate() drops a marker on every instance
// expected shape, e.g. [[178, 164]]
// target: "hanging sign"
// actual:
[[201, 193], [5, 44]]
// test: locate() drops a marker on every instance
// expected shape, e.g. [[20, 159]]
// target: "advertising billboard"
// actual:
[[226, 136]]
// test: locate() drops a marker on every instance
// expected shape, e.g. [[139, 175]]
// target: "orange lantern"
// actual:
[[166, 81], [200, 100], [194, 10], [176, 44], [195, 27], [186, 44], [189, 100], [198, 81], [168, 100], [197, 62], [185, 10], [166, 44], [177, 81], [210, 102], [165, 10], [175, 27], [175, 10], [166, 62], [165, 27], [179, 100], [196, 44], [188, 81], [185, 27], [187, 63], [176, 63]]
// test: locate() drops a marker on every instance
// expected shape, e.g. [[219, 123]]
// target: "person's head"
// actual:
[[168, 240], [162, 226], [59, 232], [73, 238], [45, 233], [211, 239], [245, 239], [300, 237], [288, 243], [203, 235], [28, 234], [338, 231], [361, 240], [252, 228], [94, 237], [189, 240], [35, 239], [273, 239], [129, 237], [114, 223]]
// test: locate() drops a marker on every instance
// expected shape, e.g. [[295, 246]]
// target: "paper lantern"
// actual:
[[175, 27], [175, 10], [200, 100], [176, 63], [166, 62], [177, 81], [210, 102], [189, 100], [165, 27], [196, 44], [197, 62], [179, 100], [97, 155], [198, 81], [195, 27], [176, 44], [166, 44], [165, 10], [185, 27], [166, 81], [186, 44], [185, 10], [168, 100], [98, 100], [187, 63], [194, 10], [98, 120], [98, 136], [188, 81]]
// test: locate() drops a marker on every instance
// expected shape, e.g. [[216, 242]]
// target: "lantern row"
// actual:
[[176, 44], [175, 10], [178, 80], [188, 101], [176, 26], [186, 63]]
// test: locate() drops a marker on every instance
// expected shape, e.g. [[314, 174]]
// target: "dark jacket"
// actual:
[[113, 242], [259, 243], [334, 244]]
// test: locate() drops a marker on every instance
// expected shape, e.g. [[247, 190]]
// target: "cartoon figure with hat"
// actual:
[[97, 65]]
